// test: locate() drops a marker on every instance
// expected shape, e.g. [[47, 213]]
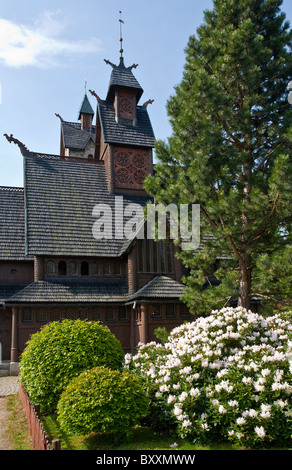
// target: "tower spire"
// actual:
[[121, 35]]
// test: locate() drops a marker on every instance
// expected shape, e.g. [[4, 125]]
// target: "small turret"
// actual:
[[86, 114]]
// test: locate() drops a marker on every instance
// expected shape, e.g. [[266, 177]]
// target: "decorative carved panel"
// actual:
[[131, 166], [126, 106]]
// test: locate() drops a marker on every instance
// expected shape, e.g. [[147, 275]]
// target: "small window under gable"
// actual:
[[84, 268], [62, 268], [51, 268]]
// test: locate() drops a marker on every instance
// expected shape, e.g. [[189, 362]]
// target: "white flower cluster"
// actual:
[[206, 364]]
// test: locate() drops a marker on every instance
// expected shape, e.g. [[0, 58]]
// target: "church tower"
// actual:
[[124, 135]]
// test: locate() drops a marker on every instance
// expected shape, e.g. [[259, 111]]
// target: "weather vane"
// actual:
[[121, 35]]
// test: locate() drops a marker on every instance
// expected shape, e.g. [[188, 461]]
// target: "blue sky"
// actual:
[[49, 47]]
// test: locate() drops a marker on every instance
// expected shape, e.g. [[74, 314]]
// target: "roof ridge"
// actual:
[[11, 188], [44, 156]]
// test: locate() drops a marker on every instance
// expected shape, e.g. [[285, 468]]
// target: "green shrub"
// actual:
[[102, 400], [61, 351]]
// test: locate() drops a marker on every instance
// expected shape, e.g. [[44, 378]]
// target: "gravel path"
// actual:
[[8, 386]]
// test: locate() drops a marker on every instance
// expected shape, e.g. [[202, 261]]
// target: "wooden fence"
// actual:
[[38, 435]]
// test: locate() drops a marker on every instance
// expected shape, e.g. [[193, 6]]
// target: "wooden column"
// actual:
[[144, 324], [38, 268], [132, 331], [132, 270], [14, 356]]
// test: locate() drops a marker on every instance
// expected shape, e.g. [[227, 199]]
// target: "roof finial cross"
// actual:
[[121, 35]]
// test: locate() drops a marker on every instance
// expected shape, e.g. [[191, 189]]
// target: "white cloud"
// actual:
[[39, 45]]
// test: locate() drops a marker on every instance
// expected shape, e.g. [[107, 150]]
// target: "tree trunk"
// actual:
[[245, 265], [245, 282]]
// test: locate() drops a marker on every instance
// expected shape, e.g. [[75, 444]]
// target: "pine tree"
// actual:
[[230, 152]]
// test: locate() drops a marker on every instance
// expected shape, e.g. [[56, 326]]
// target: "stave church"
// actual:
[[51, 265]]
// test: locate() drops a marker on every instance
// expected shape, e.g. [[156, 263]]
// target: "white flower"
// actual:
[[258, 387], [177, 410], [246, 380], [260, 431], [128, 358], [240, 421], [186, 423], [173, 445], [233, 403], [281, 403], [183, 396], [195, 392], [252, 413], [186, 370], [265, 408], [221, 409], [171, 399]]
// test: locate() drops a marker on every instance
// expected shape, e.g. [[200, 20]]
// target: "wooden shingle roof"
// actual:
[[86, 107], [60, 196], [7, 291], [140, 134], [123, 77], [71, 291], [12, 230], [159, 287], [74, 137]]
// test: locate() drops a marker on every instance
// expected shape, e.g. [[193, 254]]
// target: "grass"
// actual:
[[18, 430], [143, 439]]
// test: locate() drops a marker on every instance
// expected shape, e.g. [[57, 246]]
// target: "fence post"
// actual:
[[37, 408], [56, 444]]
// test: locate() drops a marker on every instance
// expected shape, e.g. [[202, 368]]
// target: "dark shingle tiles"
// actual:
[[71, 292], [75, 137], [12, 239], [122, 76], [60, 197], [86, 107], [160, 286], [140, 134], [7, 291]]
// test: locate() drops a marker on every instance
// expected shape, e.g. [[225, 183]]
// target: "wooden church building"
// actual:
[[51, 265]]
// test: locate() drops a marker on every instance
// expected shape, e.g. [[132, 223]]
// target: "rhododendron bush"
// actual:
[[226, 376]]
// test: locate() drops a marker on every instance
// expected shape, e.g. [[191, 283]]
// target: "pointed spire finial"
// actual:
[[85, 86], [121, 35]]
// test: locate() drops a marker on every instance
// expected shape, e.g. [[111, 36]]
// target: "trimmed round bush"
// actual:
[[225, 376], [61, 351], [102, 400]]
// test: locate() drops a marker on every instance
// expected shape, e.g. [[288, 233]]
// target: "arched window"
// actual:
[[72, 268], [94, 269], [84, 268], [62, 268], [51, 269]]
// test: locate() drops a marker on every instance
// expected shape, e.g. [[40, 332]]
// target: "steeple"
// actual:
[[86, 113]]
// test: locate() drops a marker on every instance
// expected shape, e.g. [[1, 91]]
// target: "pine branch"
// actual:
[[264, 222]]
